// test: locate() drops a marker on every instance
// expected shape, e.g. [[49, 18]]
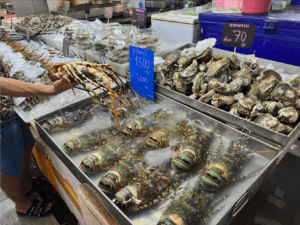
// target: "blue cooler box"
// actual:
[[275, 39]]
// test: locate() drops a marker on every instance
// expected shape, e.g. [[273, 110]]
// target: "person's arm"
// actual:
[[18, 88]]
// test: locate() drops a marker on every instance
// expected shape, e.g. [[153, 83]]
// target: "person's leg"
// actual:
[[14, 166], [12, 186], [25, 179]]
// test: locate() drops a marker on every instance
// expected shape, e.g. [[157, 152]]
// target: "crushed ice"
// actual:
[[157, 157]]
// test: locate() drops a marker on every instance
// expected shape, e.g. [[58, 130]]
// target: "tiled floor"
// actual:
[[8, 214], [60, 212]]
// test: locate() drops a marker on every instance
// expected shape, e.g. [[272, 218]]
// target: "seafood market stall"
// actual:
[[218, 126], [122, 202]]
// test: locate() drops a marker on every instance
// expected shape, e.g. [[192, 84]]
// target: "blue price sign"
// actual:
[[141, 71]]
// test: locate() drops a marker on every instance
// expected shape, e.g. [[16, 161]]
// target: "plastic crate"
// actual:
[[275, 39]]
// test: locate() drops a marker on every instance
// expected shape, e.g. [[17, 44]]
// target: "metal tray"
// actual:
[[263, 163], [226, 117]]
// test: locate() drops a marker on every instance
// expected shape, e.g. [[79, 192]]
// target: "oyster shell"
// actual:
[[293, 80], [270, 122], [251, 62], [206, 55], [202, 66], [168, 84], [223, 88], [252, 89], [244, 75], [219, 100], [245, 105], [188, 75], [208, 96], [285, 94], [179, 86], [171, 59], [272, 107], [218, 56], [234, 62], [218, 66], [233, 109], [264, 88], [297, 104], [271, 73], [198, 82], [183, 62], [257, 110], [201, 92], [288, 115], [298, 90]]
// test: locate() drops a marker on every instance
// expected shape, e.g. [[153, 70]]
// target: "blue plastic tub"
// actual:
[[295, 2], [275, 39]]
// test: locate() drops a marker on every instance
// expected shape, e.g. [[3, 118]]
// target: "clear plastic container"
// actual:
[[120, 57], [100, 48], [146, 37], [83, 39], [111, 26]]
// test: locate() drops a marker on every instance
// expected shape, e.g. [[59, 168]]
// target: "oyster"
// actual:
[[206, 55], [179, 86], [264, 88], [298, 90], [159, 76], [219, 57], [251, 62], [183, 62], [297, 104], [218, 66], [202, 66], [189, 73], [271, 73], [288, 115], [252, 89], [208, 96], [168, 84], [220, 100], [198, 82], [171, 59], [270, 122], [272, 107], [245, 105], [201, 92], [233, 109], [293, 80], [257, 110], [223, 88], [244, 75], [284, 94], [210, 63], [234, 62]]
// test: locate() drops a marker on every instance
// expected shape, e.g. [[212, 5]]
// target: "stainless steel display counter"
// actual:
[[239, 192]]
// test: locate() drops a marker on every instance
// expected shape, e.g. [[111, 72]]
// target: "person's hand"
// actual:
[[63, 85]]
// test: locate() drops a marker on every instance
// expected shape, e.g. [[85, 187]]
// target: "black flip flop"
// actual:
[[37, 184], [40, 213]]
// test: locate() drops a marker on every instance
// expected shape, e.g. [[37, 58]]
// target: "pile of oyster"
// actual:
[[239, 86], [44, 22]]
